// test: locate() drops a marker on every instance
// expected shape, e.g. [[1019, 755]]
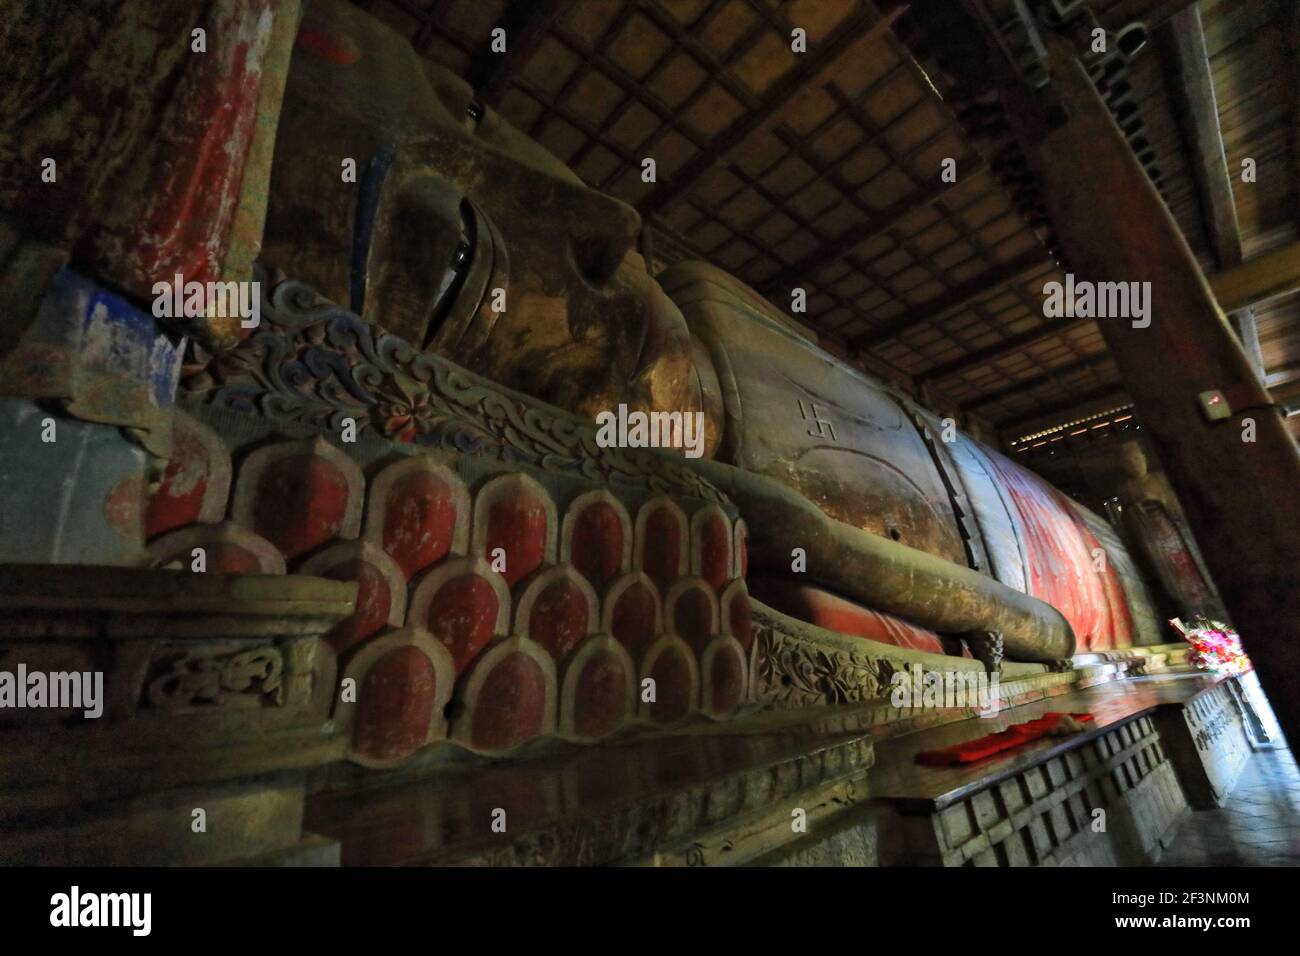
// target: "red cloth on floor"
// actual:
[[1016, 735]]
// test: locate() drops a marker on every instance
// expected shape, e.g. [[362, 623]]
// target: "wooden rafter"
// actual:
[[1191, 85], [1191, 88], [923, 193], [855, 236], [981, 287], [1045, 415], [883, 369], [1247, 328], [1093, 363], [1290, 18], [860, 24], [1257, 280], [827, 173], [526, 23], [1153, 13], [1013, 344]]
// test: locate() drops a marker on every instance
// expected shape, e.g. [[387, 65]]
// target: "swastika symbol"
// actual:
[[824, 429]]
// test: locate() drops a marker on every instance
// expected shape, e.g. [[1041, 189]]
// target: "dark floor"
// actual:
[[1260, 826]]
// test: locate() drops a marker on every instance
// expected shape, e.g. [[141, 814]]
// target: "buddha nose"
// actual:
[[602, 242]]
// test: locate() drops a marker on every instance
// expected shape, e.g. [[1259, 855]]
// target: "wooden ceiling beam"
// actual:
[[1153, 13], [526, 23], [1247, 329], [1265, 277], [984, 285], [1290, 14], [1257, 280], [815, 61], [828, 173], [1287, 393], [1191, 87], [1012, 344], [1196, 109], [1076, 406], [684, 38], [854, 236], [1092, 363], [895, 376]]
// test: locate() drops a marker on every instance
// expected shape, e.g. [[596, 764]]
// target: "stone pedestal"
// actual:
[[1207, 742], [752, 794], [215, 703], [1051, 813]]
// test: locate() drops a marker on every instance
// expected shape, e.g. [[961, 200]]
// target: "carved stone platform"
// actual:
[[1208, 742], [710, 794], [216, 697], [1110, 795], [700, 799]]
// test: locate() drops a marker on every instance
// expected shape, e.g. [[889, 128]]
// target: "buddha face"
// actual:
[[395, 192]]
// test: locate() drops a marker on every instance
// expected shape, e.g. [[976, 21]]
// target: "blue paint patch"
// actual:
[[118, 338], [104, 335], [372, 183]]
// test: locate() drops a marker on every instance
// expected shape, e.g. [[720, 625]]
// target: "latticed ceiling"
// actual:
[[823, 170]]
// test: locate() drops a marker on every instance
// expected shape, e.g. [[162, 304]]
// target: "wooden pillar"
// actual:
[[1191, 88], [1243, 323], [1241, 497]]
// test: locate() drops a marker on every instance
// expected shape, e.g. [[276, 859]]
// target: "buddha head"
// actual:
[[395, 192]]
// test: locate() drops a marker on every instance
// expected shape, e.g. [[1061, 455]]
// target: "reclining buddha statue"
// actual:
[[472, 242], [377, 520]]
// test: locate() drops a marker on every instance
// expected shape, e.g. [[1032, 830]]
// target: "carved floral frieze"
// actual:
[[314, 363], [795, 672], [202, 677]]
